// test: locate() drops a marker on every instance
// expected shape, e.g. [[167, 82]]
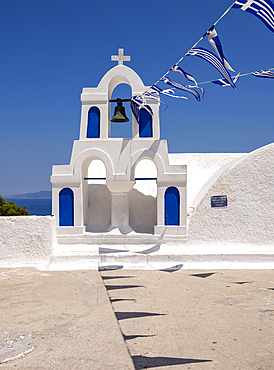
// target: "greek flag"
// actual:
[[265, 73], [168, 92], [136, 105], [167, 81], [214, 61], [184, 73], [223, 82], [216, 43], [263, 9]]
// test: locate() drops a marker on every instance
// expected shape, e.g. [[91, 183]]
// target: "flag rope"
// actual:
[[244, 74], [224, 14], [206, 33], [194, 45]]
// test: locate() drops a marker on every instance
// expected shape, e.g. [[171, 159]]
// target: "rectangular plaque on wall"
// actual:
[[219, 201]]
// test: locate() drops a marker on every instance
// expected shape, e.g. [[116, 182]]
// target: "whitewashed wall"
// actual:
[[247, 180], [26, 240], [249, 216], [200, 168], [203, 171]]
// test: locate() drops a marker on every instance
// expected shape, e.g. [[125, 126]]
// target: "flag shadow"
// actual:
[[115, 287], [112, 300], [110, 267], [135, 315], [129, 337], [110, 250], [145, 362], [116, 277], [203, 275]]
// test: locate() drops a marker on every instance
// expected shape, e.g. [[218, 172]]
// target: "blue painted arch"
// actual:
[[93, 129], [172, 206], [145, 124], [66, 207]]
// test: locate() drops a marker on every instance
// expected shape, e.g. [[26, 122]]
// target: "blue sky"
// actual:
[[51, 49]]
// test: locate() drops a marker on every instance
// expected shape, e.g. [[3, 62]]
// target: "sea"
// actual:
[[36, 207]]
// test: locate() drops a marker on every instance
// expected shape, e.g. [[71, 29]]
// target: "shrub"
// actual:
[[12, 209]]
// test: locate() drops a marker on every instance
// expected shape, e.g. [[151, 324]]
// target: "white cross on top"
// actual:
[[120, 57]]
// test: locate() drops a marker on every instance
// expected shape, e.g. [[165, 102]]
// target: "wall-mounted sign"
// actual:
[[219, 201]]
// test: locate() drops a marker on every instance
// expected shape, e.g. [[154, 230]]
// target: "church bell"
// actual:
[[119, 113]]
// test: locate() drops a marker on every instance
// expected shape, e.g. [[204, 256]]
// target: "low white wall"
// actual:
[[249, 216], [26, 240]]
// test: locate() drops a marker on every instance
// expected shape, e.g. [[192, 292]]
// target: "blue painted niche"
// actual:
[[145, 124], [172, 206], [93, 130], [66, 207]]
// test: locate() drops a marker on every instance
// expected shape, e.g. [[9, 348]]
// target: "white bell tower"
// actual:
[[77, 205]]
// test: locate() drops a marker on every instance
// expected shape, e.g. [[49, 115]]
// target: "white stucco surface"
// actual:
[[26, 240], [200, 167], [203, 171], [119, 216], [249, 216]]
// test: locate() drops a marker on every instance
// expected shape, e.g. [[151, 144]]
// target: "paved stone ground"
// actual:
[[122, 319], [69, 317]]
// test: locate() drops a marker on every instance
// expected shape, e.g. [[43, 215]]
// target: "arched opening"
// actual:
[[98, 216], [143, 204], [66, 207], [121, 130], [96, 172], [93, 129], [172, 207], [145, 124]]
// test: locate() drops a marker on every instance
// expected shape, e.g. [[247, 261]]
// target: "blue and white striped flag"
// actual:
[[216, 43], [168, 92], [214, 61], [167, 81], [263, 9], [136, 105], [184, 73], [140, 102], [223, 82], [265, 73], [190, 78]]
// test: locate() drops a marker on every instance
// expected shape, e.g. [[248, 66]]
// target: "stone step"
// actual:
[[105, 238], [166, 256]]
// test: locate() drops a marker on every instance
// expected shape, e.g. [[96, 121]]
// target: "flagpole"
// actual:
[[195, 44]]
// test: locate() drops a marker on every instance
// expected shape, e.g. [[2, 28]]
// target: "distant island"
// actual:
[[38, 195]]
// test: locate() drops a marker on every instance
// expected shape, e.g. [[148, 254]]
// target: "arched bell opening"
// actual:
[[145, 124], [66, 207], [143, 202], [98, 198], [93, 126], [172, 206], [122, 129]]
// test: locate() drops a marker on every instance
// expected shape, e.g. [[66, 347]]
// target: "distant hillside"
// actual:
[[38, 195]]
